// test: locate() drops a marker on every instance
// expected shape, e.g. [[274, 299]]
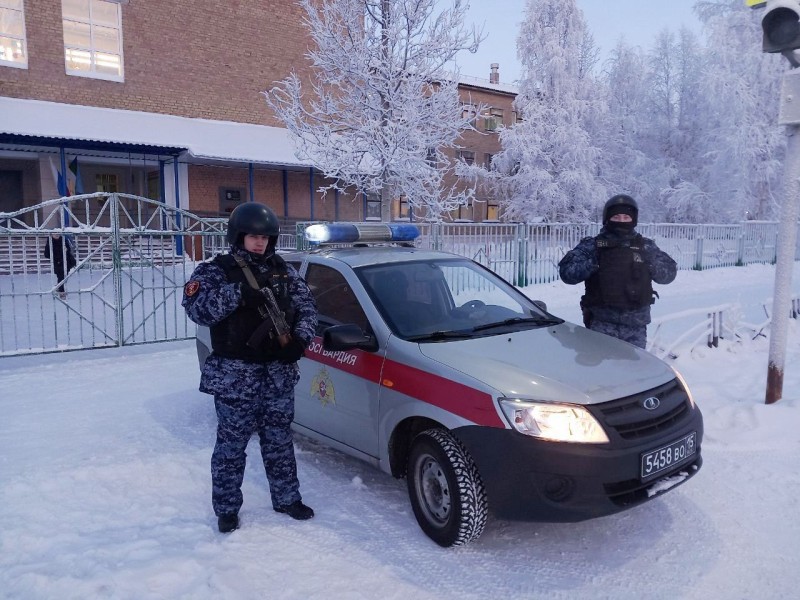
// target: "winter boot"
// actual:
[[228, 523], [296, 510]]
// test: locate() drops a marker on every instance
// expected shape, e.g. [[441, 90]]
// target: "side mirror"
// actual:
[[541, 304], [348, 337]]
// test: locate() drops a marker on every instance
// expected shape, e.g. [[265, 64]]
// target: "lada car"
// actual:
[[431, 367]]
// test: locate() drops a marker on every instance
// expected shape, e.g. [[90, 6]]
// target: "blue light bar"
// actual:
[[348, 233]]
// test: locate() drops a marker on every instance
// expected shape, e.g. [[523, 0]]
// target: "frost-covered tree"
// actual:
[[380, 112], [622, 130], [744, 145], [548, 165]]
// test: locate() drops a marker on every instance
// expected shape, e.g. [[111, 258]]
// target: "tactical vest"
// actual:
[[623, 280], [229, 336]]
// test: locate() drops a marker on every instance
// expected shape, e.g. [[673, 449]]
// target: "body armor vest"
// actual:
[[623, 280], [229, 336]]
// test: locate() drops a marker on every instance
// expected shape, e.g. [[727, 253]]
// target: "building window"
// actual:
[[469, 111], [492, 212], [468, 156], [464, 212], [404, 211], [107, 182], [487, 162], [13, 46], [373, 207], [93, 38], [516, 117], [430, 157], [493, 119]]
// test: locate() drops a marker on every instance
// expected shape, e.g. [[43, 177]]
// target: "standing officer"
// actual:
[[618, 267], [252, 370]]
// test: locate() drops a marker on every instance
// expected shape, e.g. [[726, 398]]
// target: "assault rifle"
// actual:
[[274, 323]]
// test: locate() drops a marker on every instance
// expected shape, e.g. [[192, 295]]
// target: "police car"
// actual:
[[431, 367]]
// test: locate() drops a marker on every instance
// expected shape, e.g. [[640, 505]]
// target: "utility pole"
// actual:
[[781, 26]]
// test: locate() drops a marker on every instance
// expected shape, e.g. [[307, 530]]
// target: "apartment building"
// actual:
[[163, 100]]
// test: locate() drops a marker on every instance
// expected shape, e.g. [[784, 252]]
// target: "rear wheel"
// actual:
[[445, 489]]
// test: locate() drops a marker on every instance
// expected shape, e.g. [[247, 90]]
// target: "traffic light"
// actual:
[[781, 25]]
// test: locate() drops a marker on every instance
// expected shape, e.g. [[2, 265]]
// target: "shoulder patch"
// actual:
[[191, 288]]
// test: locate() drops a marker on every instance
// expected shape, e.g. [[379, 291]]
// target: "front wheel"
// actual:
[[445, 489]]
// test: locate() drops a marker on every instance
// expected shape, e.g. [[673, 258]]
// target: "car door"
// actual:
[[337, 395]]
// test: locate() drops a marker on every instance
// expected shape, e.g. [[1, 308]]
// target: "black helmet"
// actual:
[[253, 218], [621, 204]]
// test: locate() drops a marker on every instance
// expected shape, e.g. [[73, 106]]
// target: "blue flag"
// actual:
[[73, 166]]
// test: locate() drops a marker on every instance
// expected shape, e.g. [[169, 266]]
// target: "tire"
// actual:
[[446, 490]]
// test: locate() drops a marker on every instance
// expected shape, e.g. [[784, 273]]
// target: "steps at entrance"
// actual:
[[25, 254]]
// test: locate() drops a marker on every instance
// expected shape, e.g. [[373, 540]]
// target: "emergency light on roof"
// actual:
[[347, 233]]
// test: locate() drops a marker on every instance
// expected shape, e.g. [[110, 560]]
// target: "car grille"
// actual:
[[628, 417]]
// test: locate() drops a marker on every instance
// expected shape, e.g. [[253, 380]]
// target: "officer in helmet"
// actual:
[[618, 267], [252, 370]]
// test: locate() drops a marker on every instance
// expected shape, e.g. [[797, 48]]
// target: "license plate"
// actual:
[[668, 456]]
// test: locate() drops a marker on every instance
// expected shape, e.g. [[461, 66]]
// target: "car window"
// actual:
[[336, 302], [420, 298]]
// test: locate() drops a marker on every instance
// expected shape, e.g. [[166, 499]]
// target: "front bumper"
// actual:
[[534, 480]]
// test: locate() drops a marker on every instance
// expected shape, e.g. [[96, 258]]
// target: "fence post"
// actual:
[[116, 259], [522, 256], [740, 258], [698, 250]]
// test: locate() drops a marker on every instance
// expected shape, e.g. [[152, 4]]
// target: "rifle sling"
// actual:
[[248, 274]]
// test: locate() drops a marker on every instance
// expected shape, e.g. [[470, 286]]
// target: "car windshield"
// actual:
[[444, 299]]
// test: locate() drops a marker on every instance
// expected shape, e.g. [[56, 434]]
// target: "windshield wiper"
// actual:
[[517, 320], [440, 335]]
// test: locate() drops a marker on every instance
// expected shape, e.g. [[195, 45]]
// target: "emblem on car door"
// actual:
[[322, 388], [651, 403]]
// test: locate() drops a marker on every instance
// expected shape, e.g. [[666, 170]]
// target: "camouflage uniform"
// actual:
[[582, 262], [249, 396]]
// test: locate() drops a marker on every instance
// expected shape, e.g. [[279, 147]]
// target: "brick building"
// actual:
[[163, 100]]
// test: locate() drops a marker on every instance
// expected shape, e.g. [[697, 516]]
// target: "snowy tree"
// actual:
[[382, 112], [744, 145], [624, 167], [548, 165]]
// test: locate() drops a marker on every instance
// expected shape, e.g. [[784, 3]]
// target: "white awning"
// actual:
[[202, 138]]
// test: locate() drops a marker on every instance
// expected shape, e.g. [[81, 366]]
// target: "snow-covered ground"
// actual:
[[105, 491]]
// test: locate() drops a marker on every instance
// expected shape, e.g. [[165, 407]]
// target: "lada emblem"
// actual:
[[651, 403]]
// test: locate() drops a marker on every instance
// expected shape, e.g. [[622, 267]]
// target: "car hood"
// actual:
[[562, 363]]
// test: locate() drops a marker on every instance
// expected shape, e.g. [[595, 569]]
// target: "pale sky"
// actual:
[[639, 21]]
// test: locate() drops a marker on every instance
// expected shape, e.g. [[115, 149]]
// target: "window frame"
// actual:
[[468, 156], [92, 72], [23, 64]]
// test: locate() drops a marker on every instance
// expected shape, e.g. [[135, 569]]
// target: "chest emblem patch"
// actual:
[[191, 288]]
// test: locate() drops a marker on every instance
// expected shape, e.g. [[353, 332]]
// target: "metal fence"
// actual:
[[527, 254], [134, 255]]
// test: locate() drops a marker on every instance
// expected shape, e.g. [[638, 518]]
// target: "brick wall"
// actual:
[[192, 58]]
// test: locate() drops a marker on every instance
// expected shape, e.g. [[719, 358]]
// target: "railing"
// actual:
[[134, 255], [528, 254], [686, 330]]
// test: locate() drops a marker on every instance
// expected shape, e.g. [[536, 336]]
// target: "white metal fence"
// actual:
[[133, 257], [135, 254], [527, 254]]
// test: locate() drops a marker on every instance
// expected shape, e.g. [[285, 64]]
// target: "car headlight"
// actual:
[[557, 422], [685, 387]]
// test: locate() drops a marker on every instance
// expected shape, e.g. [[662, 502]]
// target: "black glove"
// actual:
[[251, 296], [291, 352]]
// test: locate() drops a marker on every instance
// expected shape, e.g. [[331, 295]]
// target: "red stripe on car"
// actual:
[[444, 393]]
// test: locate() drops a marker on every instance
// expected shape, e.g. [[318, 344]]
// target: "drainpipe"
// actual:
[[285, 193], [250, 182], [311, 189], [179, 238]]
